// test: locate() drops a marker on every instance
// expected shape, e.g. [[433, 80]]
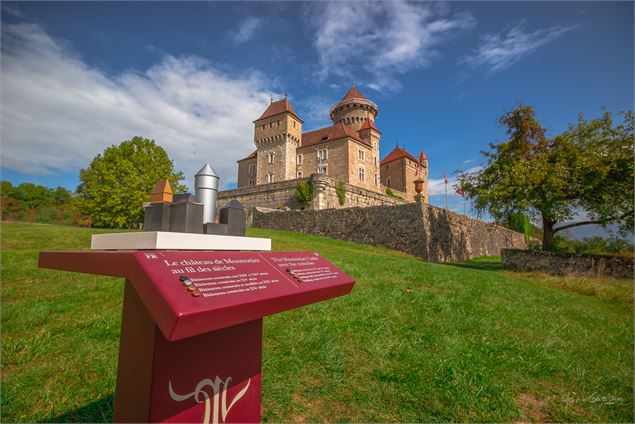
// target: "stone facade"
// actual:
[[586, 265], [282, 195], [428, 232], [347, 151], [399, 170]]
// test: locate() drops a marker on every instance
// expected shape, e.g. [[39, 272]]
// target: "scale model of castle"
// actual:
[[348, 150], [187, 213]]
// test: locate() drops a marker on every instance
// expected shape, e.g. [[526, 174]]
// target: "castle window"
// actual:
[[252, 168], [376, 180], [251, 183], [375, 160], [361, 173], [270, 124], [361, 155], [322, 169], [299, 174], [293, 123], [299, 159], [269, 177], [388, 182], [278, 123], [270, 157], [322, 154]]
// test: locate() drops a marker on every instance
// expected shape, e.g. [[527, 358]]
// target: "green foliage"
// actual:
[[18, 201], [391, 193], [413, 342], [587, 168], [119, 180], [303, 192], [340, 189], [596, 245]]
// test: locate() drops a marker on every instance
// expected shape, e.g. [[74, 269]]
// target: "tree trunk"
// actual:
[[547, 233]]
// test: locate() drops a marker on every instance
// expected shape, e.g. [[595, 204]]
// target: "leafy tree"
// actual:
[[61, 196], [32, 195], [117, 182], [587, 168]]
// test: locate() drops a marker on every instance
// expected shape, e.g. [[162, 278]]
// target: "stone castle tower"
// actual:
[[347, 151], [277, 135]]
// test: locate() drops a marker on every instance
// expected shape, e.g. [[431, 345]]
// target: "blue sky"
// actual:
[[80, 76]]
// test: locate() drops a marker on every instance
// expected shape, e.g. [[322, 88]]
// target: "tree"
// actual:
[[588, 168], [117, 182]]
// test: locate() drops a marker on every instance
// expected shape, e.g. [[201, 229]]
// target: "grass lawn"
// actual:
[[414, 341]]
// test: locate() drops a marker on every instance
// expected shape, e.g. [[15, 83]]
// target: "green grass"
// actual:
[[413, 342]]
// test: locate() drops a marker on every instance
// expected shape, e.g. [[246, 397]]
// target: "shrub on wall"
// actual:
[[340, 189], [392, 194], [303, 192]]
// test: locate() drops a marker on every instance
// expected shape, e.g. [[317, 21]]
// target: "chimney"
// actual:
[[206, 187]]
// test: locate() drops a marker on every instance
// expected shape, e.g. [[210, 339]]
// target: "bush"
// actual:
[[340, 189], [303, 192], [392, 194]]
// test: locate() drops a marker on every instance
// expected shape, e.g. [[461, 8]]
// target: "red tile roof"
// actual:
[[251, 156], [278, 107], [353, 93], [397, 153], [323, 135], [368, 124]]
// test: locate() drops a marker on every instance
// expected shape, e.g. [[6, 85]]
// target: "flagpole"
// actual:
[[445, 183]]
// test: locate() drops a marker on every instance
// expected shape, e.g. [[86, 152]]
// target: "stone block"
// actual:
[[186, 218], [156, 217]]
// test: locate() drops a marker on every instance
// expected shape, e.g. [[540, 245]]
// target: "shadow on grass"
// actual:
[[492, 265], [99, 411]]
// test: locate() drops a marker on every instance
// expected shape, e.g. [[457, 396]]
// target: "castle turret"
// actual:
[[353, 109], [277, 135]]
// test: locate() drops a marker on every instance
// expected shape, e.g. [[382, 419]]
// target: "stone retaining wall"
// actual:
[[428, 232], [282, 195], [568, 263]]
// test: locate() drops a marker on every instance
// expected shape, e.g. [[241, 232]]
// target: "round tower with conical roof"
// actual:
[[353, 110]]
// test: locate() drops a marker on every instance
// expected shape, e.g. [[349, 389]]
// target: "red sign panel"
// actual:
[[190, 293]]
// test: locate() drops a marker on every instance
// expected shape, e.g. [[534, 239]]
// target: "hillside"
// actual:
[[413, 342]]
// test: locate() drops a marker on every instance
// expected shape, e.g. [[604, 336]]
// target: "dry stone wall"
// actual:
[[425, 231], [568, 263]]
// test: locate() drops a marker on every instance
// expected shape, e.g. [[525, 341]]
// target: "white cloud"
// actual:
[[374, 42], [58, 112], [246, 30], [498, 52]]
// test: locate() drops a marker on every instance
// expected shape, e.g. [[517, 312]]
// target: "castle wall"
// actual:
[[354, 163], [281, 194], [337, 165], [246, 178], [393, 175], [428, 232]]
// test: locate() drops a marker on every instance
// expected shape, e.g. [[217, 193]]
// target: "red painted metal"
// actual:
[[197, 358]]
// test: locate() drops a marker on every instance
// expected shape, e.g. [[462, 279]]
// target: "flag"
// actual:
[[459, 191], [445, 177]]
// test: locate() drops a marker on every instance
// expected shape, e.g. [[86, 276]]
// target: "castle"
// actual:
[[347, 151]]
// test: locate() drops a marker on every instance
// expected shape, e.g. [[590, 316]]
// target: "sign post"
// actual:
[[191, 334]]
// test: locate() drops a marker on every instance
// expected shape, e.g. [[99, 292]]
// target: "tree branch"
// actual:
[[576, 224]]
